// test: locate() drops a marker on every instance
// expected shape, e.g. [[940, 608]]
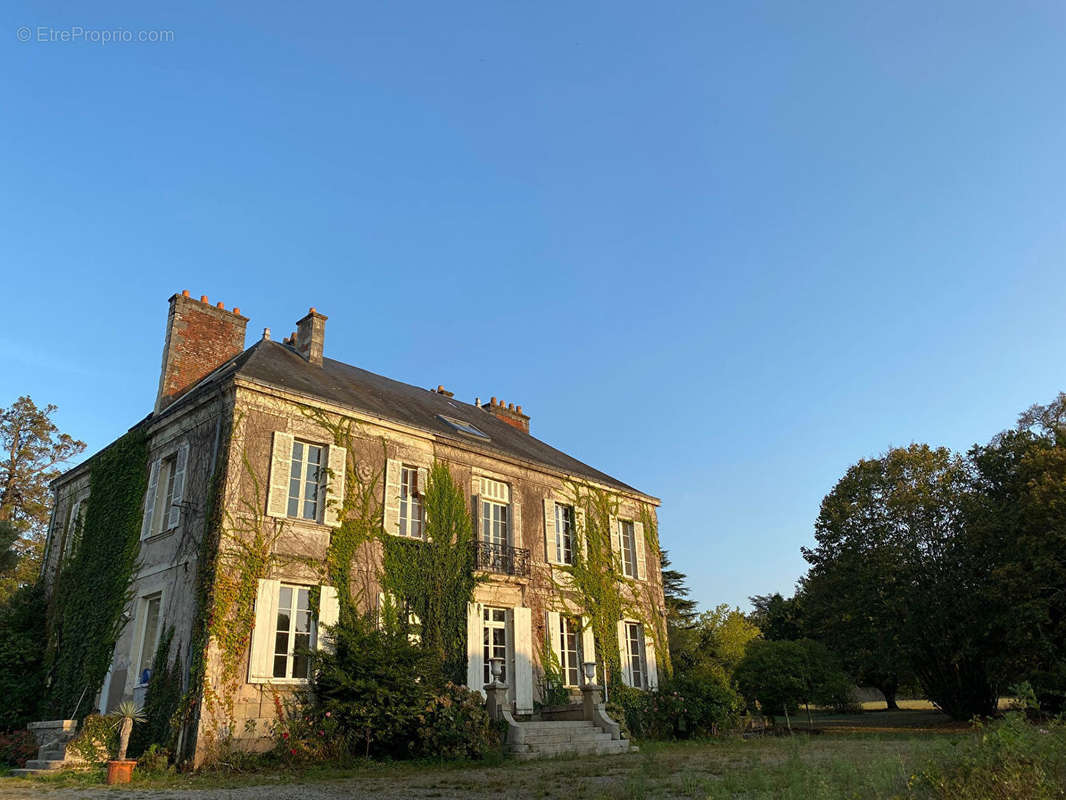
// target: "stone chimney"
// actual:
[[200, 338], [509, 413], [310, 335]]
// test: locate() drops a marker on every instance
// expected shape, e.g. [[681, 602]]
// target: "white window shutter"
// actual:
[[523, 660], [623, 653], [582, 531], [280, 466], [475, 667], [638, 534], [329, 611], [550, 554], [423, 480], [516, 524], [335, 481], [649, 658], [588, 641], [553, 634], [149, 500], [261, 658], [180, 460], [477, 516], [393, 476], [616, 542]]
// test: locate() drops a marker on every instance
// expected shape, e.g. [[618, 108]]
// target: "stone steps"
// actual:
[[552, 739]]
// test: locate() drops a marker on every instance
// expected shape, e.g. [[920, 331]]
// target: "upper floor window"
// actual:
[[166, 489], [306, 475], [495, 512], [292, 637], [636, 664], [412, 517], [627, 541], [564, 534], [306, 480]]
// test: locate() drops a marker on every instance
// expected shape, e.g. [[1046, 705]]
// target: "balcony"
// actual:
[[502, 559]]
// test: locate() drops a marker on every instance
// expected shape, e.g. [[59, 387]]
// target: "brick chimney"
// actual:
[[200, 337], [310, 336], [509, 413]]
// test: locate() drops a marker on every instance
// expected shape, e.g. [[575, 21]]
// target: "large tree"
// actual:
[[681, 634], [895, 584], [1017, 527], [779, 618], [31, 451]]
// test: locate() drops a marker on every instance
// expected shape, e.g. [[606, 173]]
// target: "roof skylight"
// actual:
[[463, 427]]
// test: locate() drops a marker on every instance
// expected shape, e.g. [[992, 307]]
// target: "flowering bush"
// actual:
[[16, 748], [455, 724], [304, 733]]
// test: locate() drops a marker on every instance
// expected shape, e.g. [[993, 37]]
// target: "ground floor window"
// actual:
[[495, 640], [570, 650], [638, 672], [292, 637]]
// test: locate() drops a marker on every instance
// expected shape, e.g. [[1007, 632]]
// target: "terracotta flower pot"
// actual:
[[120, 771]]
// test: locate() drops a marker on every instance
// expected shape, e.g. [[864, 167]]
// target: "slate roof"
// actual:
[[275, 364]]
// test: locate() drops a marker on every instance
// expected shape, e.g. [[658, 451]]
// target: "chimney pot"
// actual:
[[203, 298], [221, 305], [266, 334], [185, 293], [238, 311], [492, 401]]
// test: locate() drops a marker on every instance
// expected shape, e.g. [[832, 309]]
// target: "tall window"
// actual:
[[570, 650], [495, 640], [412, 520], [164, 495], [292, 632], [305, 480], [494, 522], [564, 534], [149, 638], [628, 543], [638, 672]]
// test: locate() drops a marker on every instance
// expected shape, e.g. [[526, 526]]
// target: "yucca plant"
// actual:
[[127, 713]]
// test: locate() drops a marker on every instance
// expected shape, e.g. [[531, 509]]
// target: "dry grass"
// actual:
[[858, 763]]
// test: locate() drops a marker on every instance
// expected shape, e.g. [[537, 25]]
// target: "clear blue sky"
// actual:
[[719, 250]]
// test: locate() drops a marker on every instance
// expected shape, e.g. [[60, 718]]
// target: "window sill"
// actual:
[[280, 681], [152, 537]]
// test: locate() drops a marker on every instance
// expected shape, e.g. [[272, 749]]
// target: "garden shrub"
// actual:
[[155, 760], [97, 739], [379, 694], [683, 707], [16, 748], [455, 724]]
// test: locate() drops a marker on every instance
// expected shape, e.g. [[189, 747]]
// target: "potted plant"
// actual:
[[120, 770]]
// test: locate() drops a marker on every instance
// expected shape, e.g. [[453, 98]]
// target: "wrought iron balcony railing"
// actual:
[[501, 558]]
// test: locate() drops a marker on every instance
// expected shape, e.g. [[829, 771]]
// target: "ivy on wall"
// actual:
[[597, 587], [435, 578], [92, 587]]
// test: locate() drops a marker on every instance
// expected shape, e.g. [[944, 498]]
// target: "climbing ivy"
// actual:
[[596, 586], [92, 587], [161, 699], [435, 578], [360, 515]]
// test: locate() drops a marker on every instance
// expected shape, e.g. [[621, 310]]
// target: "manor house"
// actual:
[[243, 444]]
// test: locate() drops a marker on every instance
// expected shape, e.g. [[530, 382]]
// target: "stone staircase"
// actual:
[[549, 739], [52, 736]]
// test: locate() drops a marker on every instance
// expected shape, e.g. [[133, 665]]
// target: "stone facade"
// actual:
[[230, 428]]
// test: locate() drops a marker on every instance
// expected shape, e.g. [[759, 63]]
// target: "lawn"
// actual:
[[874, 758]]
